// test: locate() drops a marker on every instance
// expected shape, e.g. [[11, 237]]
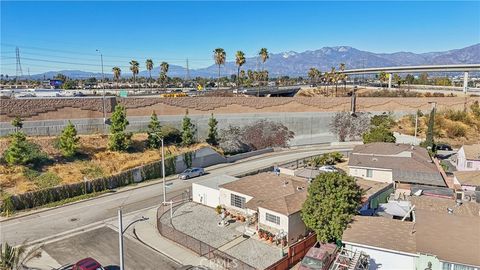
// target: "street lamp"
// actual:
[[163, 175], [121, 231], [103, 98]]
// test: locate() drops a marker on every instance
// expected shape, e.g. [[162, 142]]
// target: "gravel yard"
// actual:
[[256, 253]]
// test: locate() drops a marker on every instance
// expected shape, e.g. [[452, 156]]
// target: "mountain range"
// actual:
[[298, 63]]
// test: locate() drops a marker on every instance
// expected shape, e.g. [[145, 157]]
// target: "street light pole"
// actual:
[[120, 238], [103, 95], [163, 175]]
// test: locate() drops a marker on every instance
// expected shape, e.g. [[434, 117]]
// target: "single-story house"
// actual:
[[468, 158], [207, 191], [442, 235], [273, 200], [468, 180], [394, 163]]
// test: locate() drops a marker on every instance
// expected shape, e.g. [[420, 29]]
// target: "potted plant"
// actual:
[[218, 209], [270, 239], [242, 218], [238, 218], [284, 241], [260, 233], [266, 235]]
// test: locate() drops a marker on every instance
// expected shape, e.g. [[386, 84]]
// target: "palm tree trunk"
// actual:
[[218, 83], [238, 77]]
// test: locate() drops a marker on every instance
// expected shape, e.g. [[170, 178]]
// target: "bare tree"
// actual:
[[345, 125]]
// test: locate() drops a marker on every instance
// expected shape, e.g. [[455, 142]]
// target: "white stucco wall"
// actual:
[[225, 200], [262, 219], [380, 175], [383, 259], [462, 162], [205, 195]]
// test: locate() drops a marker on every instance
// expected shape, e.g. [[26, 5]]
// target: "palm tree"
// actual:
[[10, 257], [382, 76], [343, 76], [163, 73], [134, 67], [264, 56], [239, 60], [313, 74], [149, 66], [220, 56], [116, 74]]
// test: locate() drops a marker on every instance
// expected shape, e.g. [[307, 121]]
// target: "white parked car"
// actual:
[[328, 168], [190, 173]]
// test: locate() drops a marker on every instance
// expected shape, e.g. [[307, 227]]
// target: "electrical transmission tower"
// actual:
[[19, 65], [187, 78]]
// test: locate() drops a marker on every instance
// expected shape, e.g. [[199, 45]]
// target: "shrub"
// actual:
[[154, 132], [456, 130], [457, 115], [263, 134], [46, 180], [231, 141], [92, 171], [68, 140], [212, 137], [385, 120], [22, 152], [327, 159], [344, 125], [170, 135], [475, 107], [119, 140], [378, 134], [188, 131]]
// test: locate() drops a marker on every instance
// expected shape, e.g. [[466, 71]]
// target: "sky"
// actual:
[[65, 35]]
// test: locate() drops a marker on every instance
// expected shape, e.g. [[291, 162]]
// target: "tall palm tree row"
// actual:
[[117, 72], [239, 61], [220, 57], [164, 66], [149, 66], [134, 67]]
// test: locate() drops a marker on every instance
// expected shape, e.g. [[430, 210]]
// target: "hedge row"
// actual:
[[41, 197]]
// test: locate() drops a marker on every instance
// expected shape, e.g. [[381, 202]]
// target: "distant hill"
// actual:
[[297, 64]]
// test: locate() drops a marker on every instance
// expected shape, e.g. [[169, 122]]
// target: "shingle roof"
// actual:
[[283, 194], [410, 165], [451, 237], [471, 178], [381, 232], [472, 151]]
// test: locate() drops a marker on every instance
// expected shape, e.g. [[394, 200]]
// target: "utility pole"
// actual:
[[103, 95], [416, 127], [163, 175], [187, 78], [120, 238]]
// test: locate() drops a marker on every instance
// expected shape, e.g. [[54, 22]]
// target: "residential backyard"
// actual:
[[201, 222]]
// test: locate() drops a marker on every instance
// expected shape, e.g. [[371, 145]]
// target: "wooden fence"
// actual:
[[296, 252]]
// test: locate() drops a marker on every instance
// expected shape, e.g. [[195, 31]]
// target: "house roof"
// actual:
[[371, 188], [452, 237], [472, 151], [283, 194], [386, 233], [307, 173], [408, 164], [470, 178], [216, 181]]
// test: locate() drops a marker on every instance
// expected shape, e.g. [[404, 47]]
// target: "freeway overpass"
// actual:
[[465, 68]]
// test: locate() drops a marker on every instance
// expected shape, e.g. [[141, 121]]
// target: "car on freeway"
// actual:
[[328, 168], [190, 173], [87, 264]]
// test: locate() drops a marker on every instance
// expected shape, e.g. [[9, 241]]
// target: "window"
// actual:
[[453, 266], [369, 173], [272, 218], [469, 164], [237, 201]]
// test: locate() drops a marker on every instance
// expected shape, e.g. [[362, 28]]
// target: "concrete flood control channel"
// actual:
[[200, 222], [102, 244]]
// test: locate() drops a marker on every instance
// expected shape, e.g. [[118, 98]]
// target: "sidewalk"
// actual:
[[148, 234]]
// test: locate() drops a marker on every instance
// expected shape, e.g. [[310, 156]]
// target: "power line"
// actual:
[[18, 64]]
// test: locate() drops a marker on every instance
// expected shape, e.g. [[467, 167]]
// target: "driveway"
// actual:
[[102, 245]]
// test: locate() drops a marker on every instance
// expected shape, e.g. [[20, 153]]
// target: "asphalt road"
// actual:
[[45, 225], [102, 244]]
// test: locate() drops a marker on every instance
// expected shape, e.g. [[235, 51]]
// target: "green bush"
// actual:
[[68, 140], [455, 115], [170, 135], [47, 180], [385, 120], [378, 134], [7, 205], [22, 152], [327, 159]]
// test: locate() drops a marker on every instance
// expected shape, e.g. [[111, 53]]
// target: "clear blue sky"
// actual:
[[172, 31]]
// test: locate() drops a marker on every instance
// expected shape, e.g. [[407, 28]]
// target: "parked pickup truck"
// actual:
[[330, 257]]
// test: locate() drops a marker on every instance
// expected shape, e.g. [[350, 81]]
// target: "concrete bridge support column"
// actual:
[[465, 82], [390, 75]]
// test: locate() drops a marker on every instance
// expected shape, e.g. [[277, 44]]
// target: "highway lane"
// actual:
[[40, 226]]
